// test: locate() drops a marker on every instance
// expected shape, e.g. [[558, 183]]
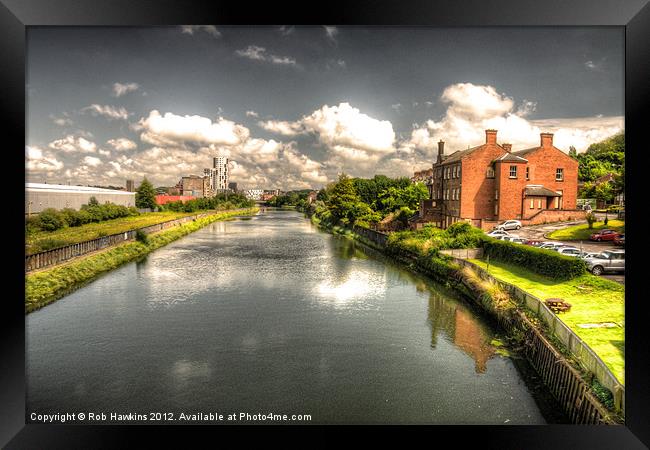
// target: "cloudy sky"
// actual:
[[295, 106]]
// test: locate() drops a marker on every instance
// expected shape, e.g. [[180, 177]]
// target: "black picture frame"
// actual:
[[16, 15]]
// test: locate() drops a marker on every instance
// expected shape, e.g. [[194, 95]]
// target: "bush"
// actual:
[[591, 218], [142, 237], [544, 262], [49, 244], [50, 220]]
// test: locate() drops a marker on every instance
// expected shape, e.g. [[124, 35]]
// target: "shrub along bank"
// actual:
[[42, 288]]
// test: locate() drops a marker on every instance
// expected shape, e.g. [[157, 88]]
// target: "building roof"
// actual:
[[540, 191], [64, 188], [510, 157], [457, 155], [525, 151]]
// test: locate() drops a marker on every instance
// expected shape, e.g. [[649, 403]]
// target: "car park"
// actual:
[[509, 225], [607, 261], [604, 235]]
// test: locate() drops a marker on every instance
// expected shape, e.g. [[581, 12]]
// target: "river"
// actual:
[[270, 315]]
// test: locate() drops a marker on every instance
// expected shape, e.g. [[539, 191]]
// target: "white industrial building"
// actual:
[[39, 196]]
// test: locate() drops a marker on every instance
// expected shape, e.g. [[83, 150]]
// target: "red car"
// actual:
[[604, 235]]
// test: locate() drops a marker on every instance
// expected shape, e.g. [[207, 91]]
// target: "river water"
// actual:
[[270, 315]]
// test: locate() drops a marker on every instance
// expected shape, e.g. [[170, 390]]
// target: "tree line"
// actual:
[[600, 159]]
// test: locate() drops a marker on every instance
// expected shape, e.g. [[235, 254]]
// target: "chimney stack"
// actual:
[[490, 136], [441, 150], [507, 147], [546, 139]]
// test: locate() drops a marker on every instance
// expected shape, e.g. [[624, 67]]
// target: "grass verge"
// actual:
[[44, 287], [582, 232], [44, 240], [594, 301]]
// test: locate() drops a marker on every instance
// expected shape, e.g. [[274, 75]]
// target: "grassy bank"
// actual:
[[44, 240], [49, 285], [582, 232], [594, 300]]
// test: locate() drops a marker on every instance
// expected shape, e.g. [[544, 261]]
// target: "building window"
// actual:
[[528, 173], [559, 174], [539, 204], [513, 171], [489, 173], [532, 203]]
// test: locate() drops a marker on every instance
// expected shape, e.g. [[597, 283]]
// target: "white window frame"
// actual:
[[559, 171], [510, 172]]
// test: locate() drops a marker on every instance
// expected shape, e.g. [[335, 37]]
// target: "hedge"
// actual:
[[544, 262]]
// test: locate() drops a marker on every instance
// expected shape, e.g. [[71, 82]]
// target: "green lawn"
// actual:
[[582, 232], [65, 236], [593, 300]]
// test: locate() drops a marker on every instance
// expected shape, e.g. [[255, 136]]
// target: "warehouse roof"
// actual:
[[64, 188]]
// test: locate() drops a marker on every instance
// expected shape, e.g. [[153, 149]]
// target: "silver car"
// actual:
[[569, 251], [498, 233], [551, 245], [509, 225], [607, 261]]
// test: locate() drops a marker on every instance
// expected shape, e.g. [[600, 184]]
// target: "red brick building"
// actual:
[[490, 183]]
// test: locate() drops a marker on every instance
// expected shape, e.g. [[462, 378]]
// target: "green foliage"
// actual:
[[429, 240], [218, 202], [93, 201], [145, 195], [49, 244], [294, 198], [544, 262], [601, 158], [50, 219], [141, 237], [591, 218]]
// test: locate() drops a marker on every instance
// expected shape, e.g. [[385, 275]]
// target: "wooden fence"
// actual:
[[61, 254]]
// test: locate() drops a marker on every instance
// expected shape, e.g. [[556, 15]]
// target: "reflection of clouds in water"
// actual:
[[185, 370], [357, 289]]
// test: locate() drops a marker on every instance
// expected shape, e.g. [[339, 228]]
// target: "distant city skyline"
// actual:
[[292, 107]]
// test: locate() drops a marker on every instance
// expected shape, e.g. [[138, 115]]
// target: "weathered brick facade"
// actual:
[[491, 183]]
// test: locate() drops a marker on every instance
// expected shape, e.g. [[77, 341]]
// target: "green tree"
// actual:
[[343, 200], [145, 195], [573, 153]]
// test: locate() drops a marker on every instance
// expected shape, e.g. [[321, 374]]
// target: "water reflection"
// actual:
[[462, 328]]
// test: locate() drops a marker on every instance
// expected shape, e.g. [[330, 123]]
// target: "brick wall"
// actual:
[[544, 162], [477, 195], [555, 215], [510, 189]]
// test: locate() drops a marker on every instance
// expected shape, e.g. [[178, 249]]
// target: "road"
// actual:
[[537, 232]]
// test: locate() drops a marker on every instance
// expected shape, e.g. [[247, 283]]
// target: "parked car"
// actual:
[[607, 261], [551, 245], [586, 255], [569, 251], [495, 233], [518, 240], [620, 240], [534, 242], [604, 235], [509, 225]]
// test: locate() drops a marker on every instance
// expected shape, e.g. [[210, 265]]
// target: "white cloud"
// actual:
[[73, 144], [61, 121], [38, 160], [258, 53], [282, 127], [286, 30], [252, 114], [172, 128], [331, 32], [110, 112], [120, 89], [122, 144], [471, 109], [210, 29], [344, 125], [92, 161]]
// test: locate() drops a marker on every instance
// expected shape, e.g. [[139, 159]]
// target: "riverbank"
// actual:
[[49, 285], [46, 240], [582, 398]]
